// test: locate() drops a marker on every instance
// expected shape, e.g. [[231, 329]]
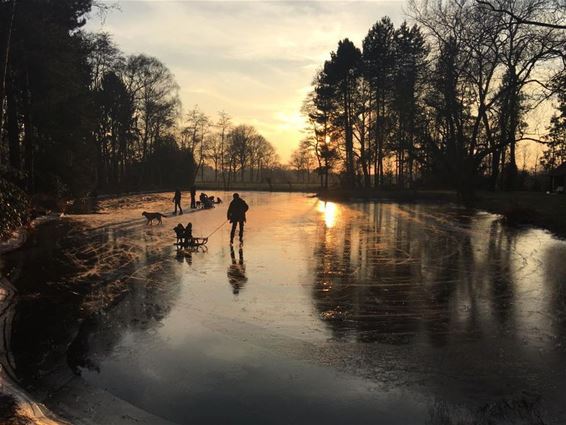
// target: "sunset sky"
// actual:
[[253, 59]]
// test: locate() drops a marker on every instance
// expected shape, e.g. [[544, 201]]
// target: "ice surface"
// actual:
[[358, 313]]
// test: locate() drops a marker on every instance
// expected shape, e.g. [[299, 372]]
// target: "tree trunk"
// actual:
[[13, 128], [28, 140], [5, 56]]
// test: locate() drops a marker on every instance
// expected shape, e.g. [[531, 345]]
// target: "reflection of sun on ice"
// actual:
[[330, 211]]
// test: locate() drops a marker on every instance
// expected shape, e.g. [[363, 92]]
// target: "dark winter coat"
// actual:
[[237, 210]]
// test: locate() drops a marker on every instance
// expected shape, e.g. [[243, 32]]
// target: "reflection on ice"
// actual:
[[368, 312], [329, 211], [237, 271]]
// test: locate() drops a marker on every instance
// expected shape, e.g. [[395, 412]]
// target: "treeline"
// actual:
[[441, 102], [78, 116], [236, 153], [555, 141]]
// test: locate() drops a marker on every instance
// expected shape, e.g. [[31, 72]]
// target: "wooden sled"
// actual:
[[195, 243]]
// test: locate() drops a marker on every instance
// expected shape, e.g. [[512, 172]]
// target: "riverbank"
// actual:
[[90, 290], [17, 407], [546, 211]]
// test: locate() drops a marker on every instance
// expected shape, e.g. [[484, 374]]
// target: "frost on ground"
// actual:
[[9, 414]]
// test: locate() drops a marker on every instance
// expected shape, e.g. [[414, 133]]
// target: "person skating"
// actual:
[[237, 216]]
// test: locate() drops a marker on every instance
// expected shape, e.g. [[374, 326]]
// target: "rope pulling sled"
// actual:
[[199, 241]]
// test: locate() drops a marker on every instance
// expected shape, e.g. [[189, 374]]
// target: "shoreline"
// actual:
[[26, 408], [20, 235], [536, 209], [20, 406]]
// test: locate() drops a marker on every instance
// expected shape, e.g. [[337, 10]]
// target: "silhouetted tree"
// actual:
[[116, 131], [476, 88], [341, 74], [379, 62], [47, 76], [555, 152], [302, 160], [194, 134], [409, 75]]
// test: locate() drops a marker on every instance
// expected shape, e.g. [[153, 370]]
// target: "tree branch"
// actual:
[[519, 19]]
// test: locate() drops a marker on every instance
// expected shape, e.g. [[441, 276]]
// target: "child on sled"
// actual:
[[184, 235], [185, 238]]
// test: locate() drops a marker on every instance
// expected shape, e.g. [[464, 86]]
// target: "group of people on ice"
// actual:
[[236, 215], [204, 201]]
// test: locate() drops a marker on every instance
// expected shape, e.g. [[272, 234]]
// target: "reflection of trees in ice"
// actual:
[[70, 277], [389, 275], [462, 307], [151, 293]]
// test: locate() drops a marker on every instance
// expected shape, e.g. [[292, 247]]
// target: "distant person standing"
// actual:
[[237, 215], [193, 197], [177, 200]]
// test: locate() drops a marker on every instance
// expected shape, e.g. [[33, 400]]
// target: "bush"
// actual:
[[14, 208]]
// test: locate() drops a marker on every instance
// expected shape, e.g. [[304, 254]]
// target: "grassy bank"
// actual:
[[533, 208], [518, 208]]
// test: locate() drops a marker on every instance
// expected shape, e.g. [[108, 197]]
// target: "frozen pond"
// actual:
[[329, 313]]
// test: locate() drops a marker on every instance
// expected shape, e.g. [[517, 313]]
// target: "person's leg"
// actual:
[[180, 209], [233, 231], [241, 231], [175, 208]]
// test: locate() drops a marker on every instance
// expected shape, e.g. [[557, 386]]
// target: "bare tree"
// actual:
[[215, 153], [549, 13], [241, 138], [224, 124], [303, 160], [155, 95], [104, 57], [475, 83], [194, 136]]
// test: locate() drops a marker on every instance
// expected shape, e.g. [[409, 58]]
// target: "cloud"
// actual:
[[253, 59]]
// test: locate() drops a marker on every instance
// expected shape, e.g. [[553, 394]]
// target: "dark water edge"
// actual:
[[77, 302]]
